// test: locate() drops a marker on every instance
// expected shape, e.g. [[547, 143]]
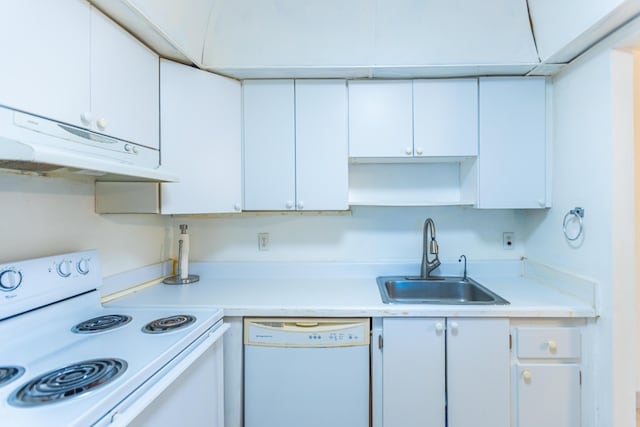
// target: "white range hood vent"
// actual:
[[35, 144]]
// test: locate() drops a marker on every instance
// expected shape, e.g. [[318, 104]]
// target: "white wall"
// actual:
[[45, 216], [593, 168], [368, 234]]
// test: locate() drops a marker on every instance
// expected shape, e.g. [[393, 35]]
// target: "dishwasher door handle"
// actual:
[[307, 324]]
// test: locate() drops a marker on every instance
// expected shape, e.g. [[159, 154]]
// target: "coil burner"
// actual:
[[168, 324], [10, 373], [68, 382], [101, 323]]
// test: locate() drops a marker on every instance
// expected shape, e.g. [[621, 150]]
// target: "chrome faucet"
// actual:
[[429, 246]]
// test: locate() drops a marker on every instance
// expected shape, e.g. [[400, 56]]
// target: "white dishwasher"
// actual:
[[306, 372]]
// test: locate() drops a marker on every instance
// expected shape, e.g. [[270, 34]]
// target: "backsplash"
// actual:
[[43, 216], [365, 234]]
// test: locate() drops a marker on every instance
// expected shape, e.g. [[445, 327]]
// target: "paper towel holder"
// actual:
[[178, 279]]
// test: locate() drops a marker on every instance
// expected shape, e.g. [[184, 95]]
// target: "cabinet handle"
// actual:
[[289, 204], [552, 346], [526, 376], [419, 151], [439, 327], [86, 118], [454, 328], [237, 207], [300, 205], [102, 123], [408, 151]]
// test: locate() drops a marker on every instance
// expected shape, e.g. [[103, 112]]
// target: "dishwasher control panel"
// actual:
[[307, 332]]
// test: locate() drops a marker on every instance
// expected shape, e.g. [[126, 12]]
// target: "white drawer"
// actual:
[[539, 342]]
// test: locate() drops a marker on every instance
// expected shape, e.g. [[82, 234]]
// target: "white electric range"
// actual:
[[66, 360]]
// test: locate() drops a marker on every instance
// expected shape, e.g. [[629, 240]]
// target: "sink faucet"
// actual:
[[429, 246]]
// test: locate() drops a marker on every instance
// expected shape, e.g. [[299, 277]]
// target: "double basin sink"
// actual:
[[435, 290]]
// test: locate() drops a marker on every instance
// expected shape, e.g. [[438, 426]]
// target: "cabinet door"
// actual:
[[321, 145], [478, 387], [445, 117], [413, 372], [45, 58], [269, 145], [201, 140], [548, 395], [124, 84], [512, 160], [380, 118]]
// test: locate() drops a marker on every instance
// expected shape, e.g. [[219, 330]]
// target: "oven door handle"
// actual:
[[122, 416]]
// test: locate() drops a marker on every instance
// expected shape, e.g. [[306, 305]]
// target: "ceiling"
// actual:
[[371, 38]]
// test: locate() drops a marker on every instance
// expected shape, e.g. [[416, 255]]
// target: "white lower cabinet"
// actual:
[[444, 372], [547, 377], [548, 395]]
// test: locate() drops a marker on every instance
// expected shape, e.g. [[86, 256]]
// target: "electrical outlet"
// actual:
[[263, 241], [507, 240]]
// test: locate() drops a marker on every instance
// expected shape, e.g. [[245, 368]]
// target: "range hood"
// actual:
[[35, 144]]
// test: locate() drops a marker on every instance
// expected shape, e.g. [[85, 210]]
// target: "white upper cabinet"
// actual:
[[445, 117], [124, 84], [269, 144], [68, 62], [380, 118], [420, 118], [322, 169], [512, 162], [295, 145], [201, 140], [46, 57]]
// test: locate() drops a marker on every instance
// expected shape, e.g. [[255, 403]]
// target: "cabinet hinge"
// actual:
[[580, 377], [510, 341], [380, 342]]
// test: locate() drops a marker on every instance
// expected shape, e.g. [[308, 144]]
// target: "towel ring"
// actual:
[[574, 214]]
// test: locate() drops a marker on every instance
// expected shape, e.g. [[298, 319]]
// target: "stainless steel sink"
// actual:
[[435, 290]]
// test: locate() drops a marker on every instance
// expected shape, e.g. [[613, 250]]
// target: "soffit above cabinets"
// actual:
[[371, 38]]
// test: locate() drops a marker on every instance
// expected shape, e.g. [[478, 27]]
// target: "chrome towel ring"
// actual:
[[575, 214]]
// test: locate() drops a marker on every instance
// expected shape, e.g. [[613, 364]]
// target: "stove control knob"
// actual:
[[83, 266], [64, 268], [10, 279]]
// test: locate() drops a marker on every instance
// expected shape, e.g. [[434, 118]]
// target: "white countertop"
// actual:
[[346, 290]]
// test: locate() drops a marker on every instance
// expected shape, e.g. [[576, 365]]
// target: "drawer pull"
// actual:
[[526, 376], [552, 346]]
